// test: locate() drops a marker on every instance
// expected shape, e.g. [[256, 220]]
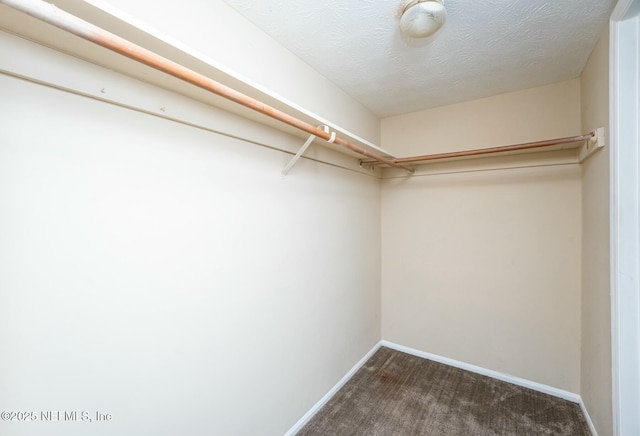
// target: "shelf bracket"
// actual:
[[304, 147]]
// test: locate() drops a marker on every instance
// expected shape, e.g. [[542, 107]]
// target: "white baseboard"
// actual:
[[316, 407], [575, 398], [588, 418], [570, 396]]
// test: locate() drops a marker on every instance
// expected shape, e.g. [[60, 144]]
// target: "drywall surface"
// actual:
[[596, 305], [217, 31], [534, 114], [170, 276], [484, 268]]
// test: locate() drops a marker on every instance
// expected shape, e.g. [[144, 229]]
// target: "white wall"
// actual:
[[484, 267], [596, 305], [170, 276]]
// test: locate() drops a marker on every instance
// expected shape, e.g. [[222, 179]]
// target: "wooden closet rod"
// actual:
[[482, 151], [50, 14]]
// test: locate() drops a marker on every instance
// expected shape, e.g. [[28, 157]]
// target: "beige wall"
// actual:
[[545, 112], [596, 316], [484, 267], [170, 276]]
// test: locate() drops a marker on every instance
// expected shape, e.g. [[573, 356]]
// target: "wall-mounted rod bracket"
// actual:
[[595, 143]]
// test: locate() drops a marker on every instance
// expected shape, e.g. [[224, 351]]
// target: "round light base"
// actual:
[[422, 18]]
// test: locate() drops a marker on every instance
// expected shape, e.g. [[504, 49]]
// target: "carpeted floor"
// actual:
[[399, 394]]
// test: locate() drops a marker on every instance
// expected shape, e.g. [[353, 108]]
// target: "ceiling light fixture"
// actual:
[[422, 18]]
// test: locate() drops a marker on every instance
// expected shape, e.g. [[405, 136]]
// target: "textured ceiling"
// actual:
[[487, 47]]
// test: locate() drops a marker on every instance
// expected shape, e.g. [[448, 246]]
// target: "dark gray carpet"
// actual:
[[399, 394]]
